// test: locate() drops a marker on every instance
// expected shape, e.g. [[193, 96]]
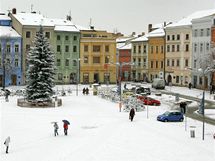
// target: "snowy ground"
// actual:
[[99, 132]]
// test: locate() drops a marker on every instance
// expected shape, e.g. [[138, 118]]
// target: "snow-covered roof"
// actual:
[[120, 44], [4, 17], [35, 19], [156, 33], [8, 32], [126, 47], [187, 20], [140, 39], [123, 39], [72, 28]]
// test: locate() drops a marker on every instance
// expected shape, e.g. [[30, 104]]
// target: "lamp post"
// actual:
[[78, 72]]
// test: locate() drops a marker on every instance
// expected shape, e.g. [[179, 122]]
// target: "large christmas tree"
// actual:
[[40, 73]]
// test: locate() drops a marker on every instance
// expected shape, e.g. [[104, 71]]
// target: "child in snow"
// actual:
[[6, 143], [56, 127]]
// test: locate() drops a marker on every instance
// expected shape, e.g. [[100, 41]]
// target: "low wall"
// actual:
[[24, 103]]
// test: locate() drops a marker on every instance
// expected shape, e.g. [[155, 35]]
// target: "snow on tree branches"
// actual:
[[40, 73]]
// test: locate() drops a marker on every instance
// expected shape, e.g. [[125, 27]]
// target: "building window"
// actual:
[[47, 35], [168, 37], [161, 49], [67, 48], [67, 62], [178, 62], [173, 37], [187, 47], [151, 49], [195, 47], [139, 62], [144, 62], [168, 62], [28, 34], [195, 33], [16, 48], [58, 62], [58, 37], [66, 37], [207, 46], [173, 63], [96, 48], [208, 31], [96, 60], [85, 48], [156, 64], [178, 48], [75, 38], [8, 48], [85, 59], [151, 64], [187, 37], [186, 62], [173, 48], [202, 32], [161, 64], [139, 49], [60, 76], [156, 49], [58, 48], [106, 48], [201, 47], [134, 49], [144, 48], [74, 63], [107, 59], [200, 80], [16, 63], [194, 65], [168, 48], [178, 37], [74, 48]]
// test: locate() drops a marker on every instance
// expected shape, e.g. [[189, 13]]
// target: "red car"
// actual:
[[149, 100]]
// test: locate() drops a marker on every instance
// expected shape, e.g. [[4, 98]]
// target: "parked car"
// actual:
[[171, 116], [149, 100], [143, 90], [158, 83]]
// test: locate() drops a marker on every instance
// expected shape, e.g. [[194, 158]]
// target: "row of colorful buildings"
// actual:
[[173, 51]]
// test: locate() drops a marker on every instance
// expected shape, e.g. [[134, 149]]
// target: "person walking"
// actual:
[[56, 127], [6, 143], [87, 91], [190, 85], [84, 91], [65, 127], [131, 114]]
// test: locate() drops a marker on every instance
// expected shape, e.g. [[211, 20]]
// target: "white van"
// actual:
[[158, 83]]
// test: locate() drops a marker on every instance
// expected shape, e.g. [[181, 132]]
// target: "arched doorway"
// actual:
[[169, 79]]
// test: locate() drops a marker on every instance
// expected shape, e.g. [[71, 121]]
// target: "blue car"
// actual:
[[171, 116]]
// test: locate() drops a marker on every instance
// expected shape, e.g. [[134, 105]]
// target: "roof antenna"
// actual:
[[32, 8], [90, 24]]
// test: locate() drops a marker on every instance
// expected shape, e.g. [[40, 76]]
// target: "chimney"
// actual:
[[143, 33], [164, 23], [68, 17], [92, 27], [14, 11], [133, 33], [149, 27]]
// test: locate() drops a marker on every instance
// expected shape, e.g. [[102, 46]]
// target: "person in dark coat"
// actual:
[[84, 91], [56, 127], [131, 114], [190, 85], [6, 143], [87, 91], [65, 127]]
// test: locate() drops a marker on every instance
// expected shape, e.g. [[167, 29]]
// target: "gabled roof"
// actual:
[[140, 39], [7, 31], [125, 47], [35, 19], [156, 33], [187, 20]]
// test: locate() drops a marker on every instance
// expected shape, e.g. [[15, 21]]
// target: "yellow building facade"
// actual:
[[156, 40], [97, 57]]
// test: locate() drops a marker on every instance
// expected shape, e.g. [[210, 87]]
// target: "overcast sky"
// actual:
[[124, 15]]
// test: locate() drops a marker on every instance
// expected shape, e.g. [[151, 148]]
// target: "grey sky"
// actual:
[[125, 15]]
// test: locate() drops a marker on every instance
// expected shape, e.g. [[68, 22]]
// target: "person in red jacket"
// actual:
[[65, 126]]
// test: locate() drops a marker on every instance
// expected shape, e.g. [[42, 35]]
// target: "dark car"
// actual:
[[171, 116], [149, 101], [143, 90]]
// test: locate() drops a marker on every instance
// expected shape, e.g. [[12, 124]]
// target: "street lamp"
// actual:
[[78, 72]]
